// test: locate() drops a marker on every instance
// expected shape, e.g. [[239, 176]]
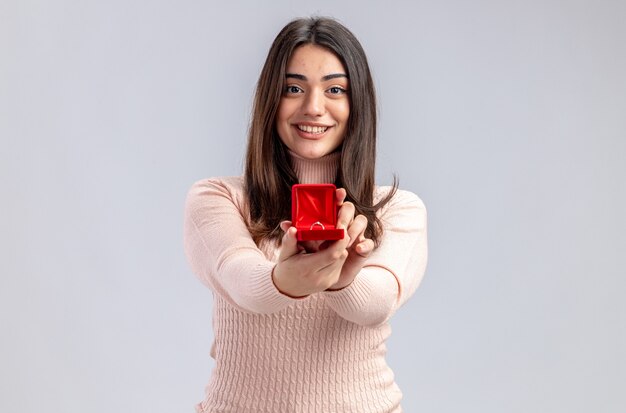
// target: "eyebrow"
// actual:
[[324, 78]]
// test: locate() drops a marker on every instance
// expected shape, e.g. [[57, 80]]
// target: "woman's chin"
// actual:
[[312, 153]]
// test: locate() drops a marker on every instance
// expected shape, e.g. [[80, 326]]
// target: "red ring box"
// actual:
[[314, 212]]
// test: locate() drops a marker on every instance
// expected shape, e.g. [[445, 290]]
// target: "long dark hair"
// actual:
[[268, 171]]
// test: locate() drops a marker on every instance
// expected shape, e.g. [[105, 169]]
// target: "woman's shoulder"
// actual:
[[231, 187], [405, 209], [234, 183], [400, 198]]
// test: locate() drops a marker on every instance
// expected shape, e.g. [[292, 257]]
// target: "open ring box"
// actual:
[[314, 212]]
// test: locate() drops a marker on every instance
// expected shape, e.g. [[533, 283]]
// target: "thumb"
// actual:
[[285, 225], [289, 245], [340, 196]]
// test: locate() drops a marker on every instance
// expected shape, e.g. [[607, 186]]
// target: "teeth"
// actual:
[[312, 129]]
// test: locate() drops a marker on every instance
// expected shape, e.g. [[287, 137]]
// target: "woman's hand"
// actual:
[[359, 247], [313, 266], [298, 273]]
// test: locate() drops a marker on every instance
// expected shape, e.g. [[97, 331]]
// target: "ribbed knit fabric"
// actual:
[[319, 171], [321, 354]]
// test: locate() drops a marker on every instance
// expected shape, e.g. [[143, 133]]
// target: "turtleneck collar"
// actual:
[[316, 171]]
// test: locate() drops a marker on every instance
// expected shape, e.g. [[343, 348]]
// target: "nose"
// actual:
[[314, 103]]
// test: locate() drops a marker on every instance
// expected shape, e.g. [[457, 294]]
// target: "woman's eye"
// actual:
[[292, 89], [336, 90]]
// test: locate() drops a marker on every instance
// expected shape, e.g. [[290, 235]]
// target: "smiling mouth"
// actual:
[[312, 129]]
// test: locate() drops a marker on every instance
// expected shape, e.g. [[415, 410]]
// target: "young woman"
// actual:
[[301, 327]]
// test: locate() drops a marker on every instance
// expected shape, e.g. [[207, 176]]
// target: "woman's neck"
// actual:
[[316, 171]]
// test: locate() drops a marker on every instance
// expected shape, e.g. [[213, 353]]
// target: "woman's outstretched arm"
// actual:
[[221, 251], [393, 271]]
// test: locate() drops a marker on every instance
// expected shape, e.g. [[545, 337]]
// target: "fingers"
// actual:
[[357, 228], [332, 258], [289, 245], [311, 246], [365, 248], [340, 195], [345, 215], [285, 225]]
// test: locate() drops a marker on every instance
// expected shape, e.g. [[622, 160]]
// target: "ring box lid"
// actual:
[[314, 212]]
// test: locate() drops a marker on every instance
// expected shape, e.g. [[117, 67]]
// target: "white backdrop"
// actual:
[[507, 118]]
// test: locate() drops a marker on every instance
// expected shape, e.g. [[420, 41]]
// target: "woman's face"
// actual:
[[314, 107]]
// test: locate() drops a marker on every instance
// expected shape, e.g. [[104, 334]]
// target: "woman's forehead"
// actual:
[[314, 62]]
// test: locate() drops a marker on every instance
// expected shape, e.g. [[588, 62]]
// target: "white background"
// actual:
[[508, 118]]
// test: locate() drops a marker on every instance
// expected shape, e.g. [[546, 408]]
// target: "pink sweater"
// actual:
[[320, 354]]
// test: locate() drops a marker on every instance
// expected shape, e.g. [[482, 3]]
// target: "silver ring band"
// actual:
[[317, 223]]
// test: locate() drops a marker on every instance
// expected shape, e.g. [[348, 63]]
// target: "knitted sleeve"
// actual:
[[221, 251], [393, 271]]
